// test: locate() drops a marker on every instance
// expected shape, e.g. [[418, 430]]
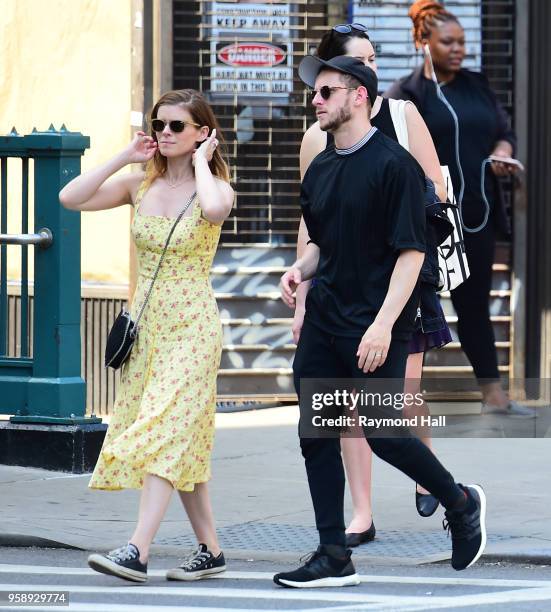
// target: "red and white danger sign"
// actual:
[[251, 51], [257, 55]]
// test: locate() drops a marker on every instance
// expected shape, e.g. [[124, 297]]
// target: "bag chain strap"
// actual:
[[161, 261]]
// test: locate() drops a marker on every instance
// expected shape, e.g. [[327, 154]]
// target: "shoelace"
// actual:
[[458, 527], [124, 553], [195, 560]]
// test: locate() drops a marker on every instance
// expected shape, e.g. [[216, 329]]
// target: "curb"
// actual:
[[17, 540], [520, 558], [14, 540]]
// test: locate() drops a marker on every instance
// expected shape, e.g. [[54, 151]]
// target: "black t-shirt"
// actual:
[[362, 209]]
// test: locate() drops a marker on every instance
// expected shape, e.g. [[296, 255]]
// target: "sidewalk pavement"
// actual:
[[263, 508]]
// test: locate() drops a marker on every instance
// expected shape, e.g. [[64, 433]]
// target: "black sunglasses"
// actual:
[[326, 91], [175, 126], [346, 28]]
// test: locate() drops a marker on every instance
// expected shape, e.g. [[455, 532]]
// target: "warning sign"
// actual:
[[251, 52]]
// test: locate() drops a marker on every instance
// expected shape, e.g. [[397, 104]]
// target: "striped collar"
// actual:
[[358, 145]]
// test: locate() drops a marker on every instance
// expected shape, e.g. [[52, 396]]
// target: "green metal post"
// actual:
[[56, 389], [46, 393]]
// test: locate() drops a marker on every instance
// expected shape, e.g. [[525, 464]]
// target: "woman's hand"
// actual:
[[207, 148], [500, 168], [141, 149], [503, 168]]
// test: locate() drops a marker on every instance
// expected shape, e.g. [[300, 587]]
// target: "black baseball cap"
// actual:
[[311, 65]]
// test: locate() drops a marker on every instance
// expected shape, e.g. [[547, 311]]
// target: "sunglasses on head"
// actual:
[[346, 28], [326, 91], [175, 126]]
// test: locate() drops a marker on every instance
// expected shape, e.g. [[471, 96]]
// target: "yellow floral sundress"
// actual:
[[163, 420]]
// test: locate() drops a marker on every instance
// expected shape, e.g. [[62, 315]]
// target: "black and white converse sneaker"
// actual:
[[321, 570], [201, 564], [467, 528], [123, 562]]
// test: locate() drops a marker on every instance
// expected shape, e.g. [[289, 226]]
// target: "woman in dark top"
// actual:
[[353, 40], [483, 131]]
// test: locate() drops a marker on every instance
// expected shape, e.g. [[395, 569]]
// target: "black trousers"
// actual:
[[320, 355], [471, 301]]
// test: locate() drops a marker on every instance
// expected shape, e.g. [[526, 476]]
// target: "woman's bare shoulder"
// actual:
[[133, 182], [315, 137], [314, 142]]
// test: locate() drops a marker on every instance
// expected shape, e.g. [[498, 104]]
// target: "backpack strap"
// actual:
[[398, 115]]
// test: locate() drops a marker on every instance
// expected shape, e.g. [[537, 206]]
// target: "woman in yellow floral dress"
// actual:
[[161, 433]]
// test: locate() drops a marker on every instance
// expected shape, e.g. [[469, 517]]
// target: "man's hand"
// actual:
[[373, 348], [288, 285]]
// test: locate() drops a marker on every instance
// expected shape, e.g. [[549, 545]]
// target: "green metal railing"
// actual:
[[47, 387]]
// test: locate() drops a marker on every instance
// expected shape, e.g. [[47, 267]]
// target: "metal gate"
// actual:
[[264, 128]]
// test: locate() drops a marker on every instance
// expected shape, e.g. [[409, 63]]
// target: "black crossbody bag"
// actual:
[[124, 331]]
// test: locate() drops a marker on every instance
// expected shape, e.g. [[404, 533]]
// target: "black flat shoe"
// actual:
[[355, 539], [425, 503]]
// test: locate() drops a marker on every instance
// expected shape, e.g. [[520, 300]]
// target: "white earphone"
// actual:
[[485, 162]]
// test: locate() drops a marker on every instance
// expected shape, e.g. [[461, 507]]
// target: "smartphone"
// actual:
[[507, 160]]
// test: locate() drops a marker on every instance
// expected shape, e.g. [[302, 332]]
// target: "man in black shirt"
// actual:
[[363, 204]]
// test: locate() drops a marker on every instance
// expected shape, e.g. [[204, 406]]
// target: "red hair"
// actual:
[[201, 112], [426, 15]]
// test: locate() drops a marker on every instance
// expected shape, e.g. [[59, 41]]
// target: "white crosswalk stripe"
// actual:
[[87, 597], [246, 575]]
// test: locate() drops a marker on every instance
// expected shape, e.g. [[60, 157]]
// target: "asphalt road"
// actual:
[[247, 585]]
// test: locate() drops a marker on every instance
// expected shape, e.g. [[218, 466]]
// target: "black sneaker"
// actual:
[[321, 570], [123, 562], [468, 528], [201, 564]]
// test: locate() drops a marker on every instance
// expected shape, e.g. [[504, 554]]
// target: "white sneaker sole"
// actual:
[[482, 497], [351, 580], [180, 574], [101, 564]]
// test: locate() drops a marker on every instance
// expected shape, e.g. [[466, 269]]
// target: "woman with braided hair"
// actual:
[[483, 131]]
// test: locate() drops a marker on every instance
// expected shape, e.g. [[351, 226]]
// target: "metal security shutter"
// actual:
[[390, 29], [263, 132], [498, 36]]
